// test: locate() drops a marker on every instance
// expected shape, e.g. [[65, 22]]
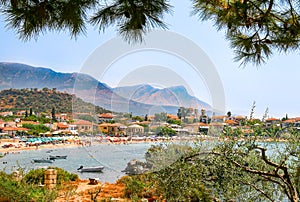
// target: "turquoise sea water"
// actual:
[[114, 157]]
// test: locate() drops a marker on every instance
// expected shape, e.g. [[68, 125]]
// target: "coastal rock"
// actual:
[[136, 167]]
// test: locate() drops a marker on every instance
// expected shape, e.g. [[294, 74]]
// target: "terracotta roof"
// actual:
[[111, 124], [272, 119], [117, 124], [289, 121], [231, 122], [198, 124], [14, 129], [144, 122], [172, 116], [62, 125], [106, 115], [219, 117]]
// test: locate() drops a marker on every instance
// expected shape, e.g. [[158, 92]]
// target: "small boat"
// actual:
[[91, 169], [42, 161], [51, 157]]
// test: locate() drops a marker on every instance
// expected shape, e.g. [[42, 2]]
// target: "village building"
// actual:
[[106, 117], [240, 119], [178, 129], [84, 126], [272, 122], [115, 129], [135, 129], [62, 117], [12, 131], [4, 114], [288, 123], [21, 113], [231, 123], [218, 119], [172, 117], [196, 128]]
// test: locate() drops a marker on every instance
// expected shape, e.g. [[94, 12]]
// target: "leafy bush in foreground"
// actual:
[[12, 190], [37, 176]]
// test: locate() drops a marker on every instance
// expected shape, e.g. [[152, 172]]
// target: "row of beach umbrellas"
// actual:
[[41, 140]]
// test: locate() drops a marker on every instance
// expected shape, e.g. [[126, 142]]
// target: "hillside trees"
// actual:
[[254, 28], [43, 101], [36, 129]]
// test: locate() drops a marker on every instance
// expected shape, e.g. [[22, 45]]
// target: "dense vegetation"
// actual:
[[45, 100], [36, 129], [234, 168], [28, 189]]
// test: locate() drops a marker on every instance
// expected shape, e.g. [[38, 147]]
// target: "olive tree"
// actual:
[[234, 168]]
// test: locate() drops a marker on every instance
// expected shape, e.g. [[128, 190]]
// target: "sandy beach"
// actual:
[[22, 147], [16, 146]]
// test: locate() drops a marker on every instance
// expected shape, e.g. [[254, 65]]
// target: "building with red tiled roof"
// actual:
[[231, 122], [288, 122], [272, 121], [6, 114], [85, 126], [105, 117], [172, 116], [11, 131], [62, 126]]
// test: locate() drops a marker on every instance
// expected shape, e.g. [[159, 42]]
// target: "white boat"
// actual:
[[91, 169]]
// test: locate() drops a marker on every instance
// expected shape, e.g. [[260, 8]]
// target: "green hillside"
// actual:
[[44, 101]]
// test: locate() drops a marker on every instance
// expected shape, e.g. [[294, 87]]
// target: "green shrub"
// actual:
[[37, 176], [19, 191]]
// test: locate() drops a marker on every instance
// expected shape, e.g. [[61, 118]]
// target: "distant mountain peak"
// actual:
[[139, 99], [170, 96]]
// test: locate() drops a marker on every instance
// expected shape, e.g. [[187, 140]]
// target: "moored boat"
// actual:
[[91, 169], [51, 157], [42, 161]]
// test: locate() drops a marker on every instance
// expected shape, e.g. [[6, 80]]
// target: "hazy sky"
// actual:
[[273, 85]]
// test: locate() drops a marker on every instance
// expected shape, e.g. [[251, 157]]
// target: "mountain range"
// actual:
[[139, 99]]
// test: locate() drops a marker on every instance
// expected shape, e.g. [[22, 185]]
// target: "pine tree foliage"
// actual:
[[33, 17], [255, 28], [132, 17]]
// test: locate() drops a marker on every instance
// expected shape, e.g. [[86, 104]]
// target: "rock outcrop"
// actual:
[[136, 167]]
